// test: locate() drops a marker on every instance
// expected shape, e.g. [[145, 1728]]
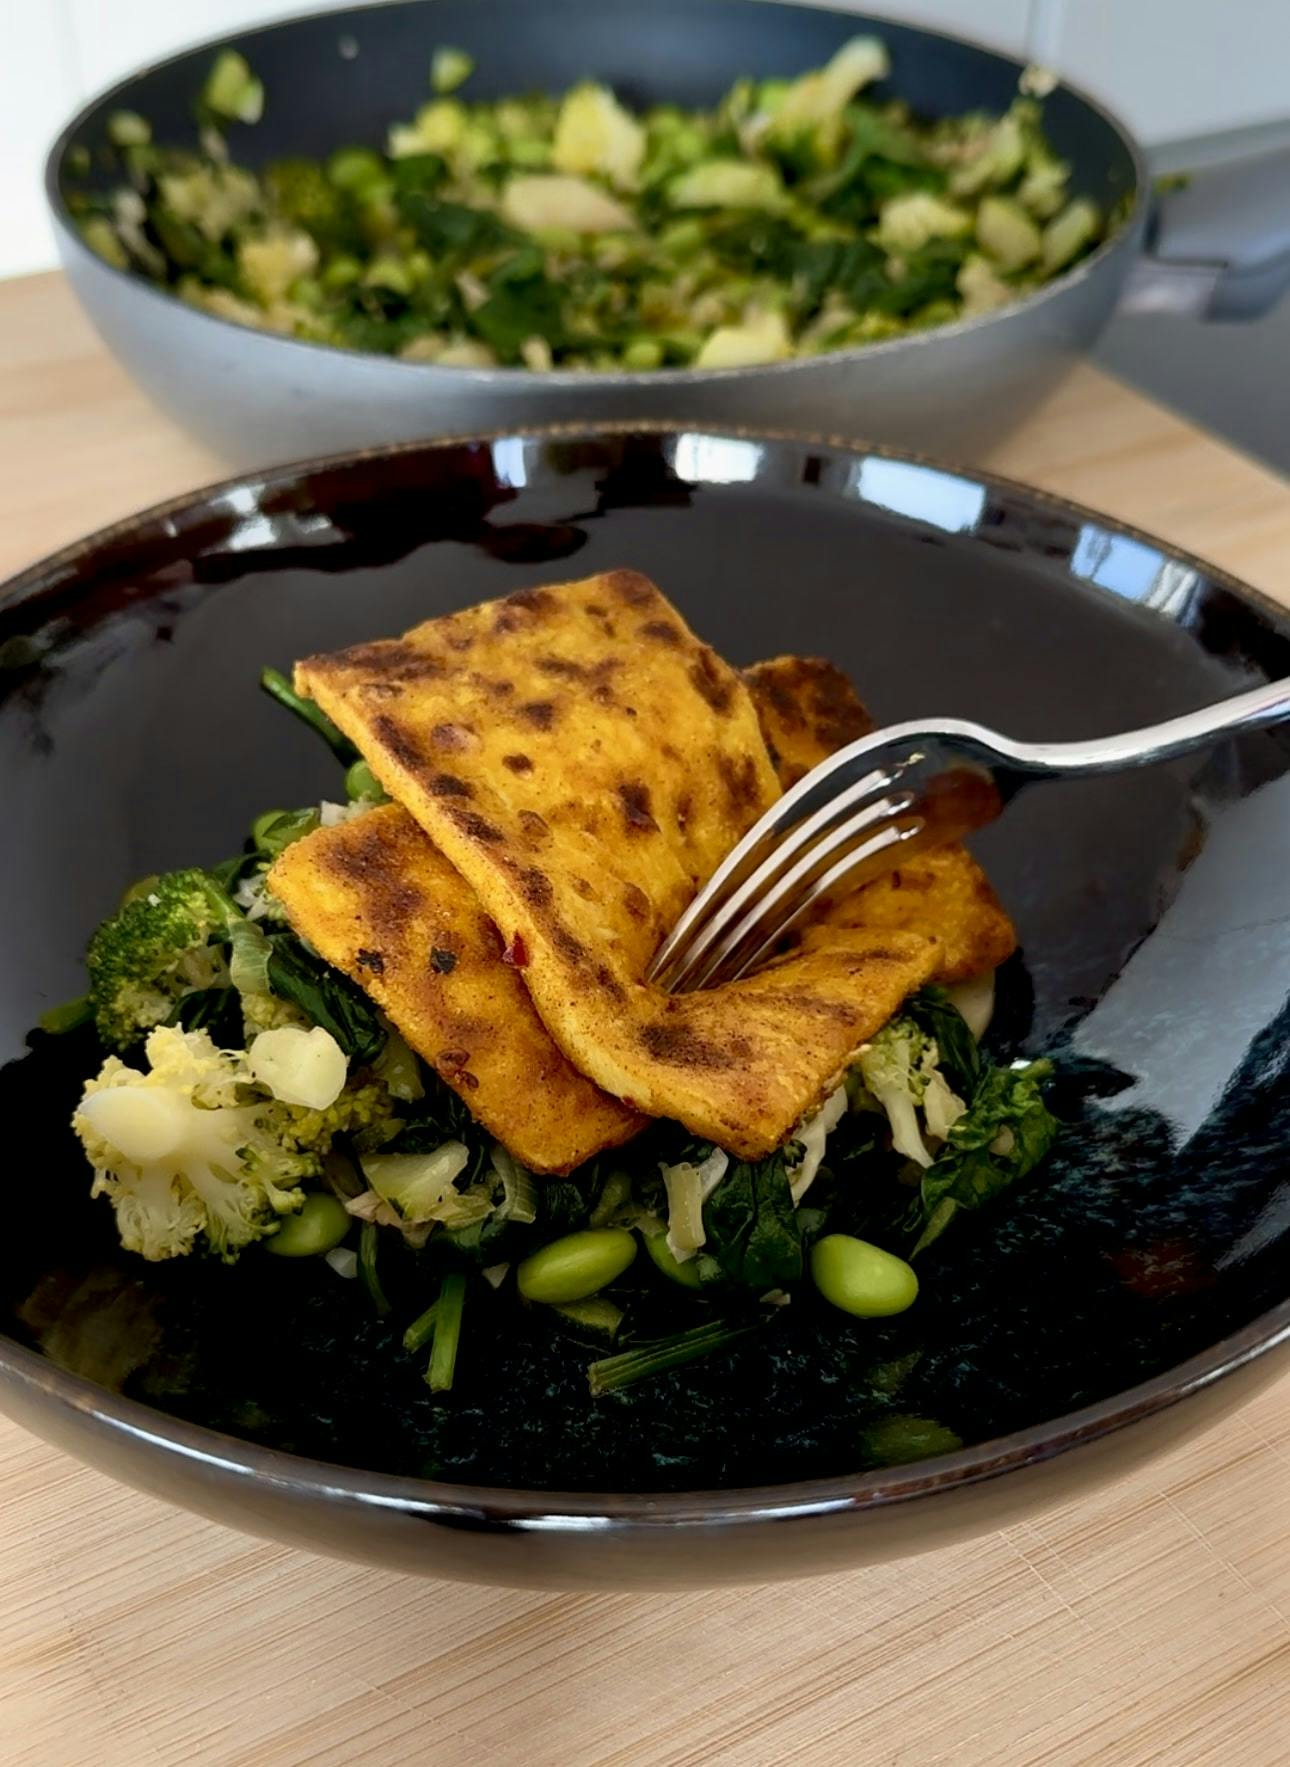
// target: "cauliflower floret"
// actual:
[[299, 1066], [191, 1148], [167, 1147]]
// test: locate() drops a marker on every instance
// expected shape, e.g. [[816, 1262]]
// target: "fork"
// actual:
[[898, 791]]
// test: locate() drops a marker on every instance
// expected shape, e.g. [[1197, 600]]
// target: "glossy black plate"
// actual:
[[1153, 915]]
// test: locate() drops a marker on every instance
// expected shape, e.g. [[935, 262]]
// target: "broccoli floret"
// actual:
[[155, 950], [300, 193], [901, 1070], [265, 1012], [192, 1149], [364, 1111]]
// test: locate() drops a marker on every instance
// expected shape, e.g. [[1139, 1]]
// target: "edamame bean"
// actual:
[[574, 1267], [361, 782], [664, 1259], [861, 1278], [318, 1225]]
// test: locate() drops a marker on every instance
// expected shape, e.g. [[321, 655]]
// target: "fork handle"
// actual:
[[1253, 710]]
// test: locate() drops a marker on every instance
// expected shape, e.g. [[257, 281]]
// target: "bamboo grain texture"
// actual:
[[1147, 1624]]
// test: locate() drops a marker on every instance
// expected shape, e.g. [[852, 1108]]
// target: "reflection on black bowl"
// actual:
[[1133, 1291]]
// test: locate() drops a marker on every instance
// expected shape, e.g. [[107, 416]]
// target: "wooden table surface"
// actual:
[[1150, 1623]]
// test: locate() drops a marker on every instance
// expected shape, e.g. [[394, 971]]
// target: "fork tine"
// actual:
[[770, 911], [772, 843], [776, 885], [848, 870], [766, 861]]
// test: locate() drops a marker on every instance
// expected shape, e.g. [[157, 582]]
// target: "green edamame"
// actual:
[[664, 1260], [576, 1266], [361, 782], [318, 1225], [861, 1278]]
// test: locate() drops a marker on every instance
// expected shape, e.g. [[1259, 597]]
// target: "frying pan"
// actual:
[[1221, 247]]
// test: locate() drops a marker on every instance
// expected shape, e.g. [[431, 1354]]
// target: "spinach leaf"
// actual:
[[217, 1010], [751, 1226], [228, 874], [326, 997], [420, 174], [451, 229], [961, 1061], [1002, 1136], [523, 302], [929, 275]]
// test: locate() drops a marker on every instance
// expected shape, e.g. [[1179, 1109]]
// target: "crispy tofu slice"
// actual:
[[806, 708], [376, 899], [585, 762]]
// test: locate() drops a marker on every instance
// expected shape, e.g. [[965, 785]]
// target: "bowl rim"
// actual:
[[1121, 240], [519, 1508]]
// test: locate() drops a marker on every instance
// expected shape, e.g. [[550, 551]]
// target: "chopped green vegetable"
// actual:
[[232, 90], [1002, 1136], [616, 1372], [1069, 234], [421, 1330], [70, 1016], [126, 128], [450, 68], [447, 1334], [276, 685], [367, 1250], [597, 1315], [897, 1440], [752, 1227], [571, 231]]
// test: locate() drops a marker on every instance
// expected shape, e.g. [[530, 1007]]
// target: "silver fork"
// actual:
[[895, 792]]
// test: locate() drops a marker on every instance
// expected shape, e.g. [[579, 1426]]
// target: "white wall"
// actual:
[[1172, 67]]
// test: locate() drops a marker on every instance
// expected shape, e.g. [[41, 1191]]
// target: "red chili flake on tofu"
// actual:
[[516, 952]]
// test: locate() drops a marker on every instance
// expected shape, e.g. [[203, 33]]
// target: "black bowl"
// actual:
[[1132, 1292]]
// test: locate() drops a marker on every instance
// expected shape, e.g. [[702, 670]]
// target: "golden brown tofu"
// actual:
[[375, 898], [807, 709], [585, 763]]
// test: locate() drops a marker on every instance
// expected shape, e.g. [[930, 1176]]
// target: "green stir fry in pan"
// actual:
[[794, 218]]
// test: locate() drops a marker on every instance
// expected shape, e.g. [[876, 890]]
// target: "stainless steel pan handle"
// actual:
[[1219, 246]]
